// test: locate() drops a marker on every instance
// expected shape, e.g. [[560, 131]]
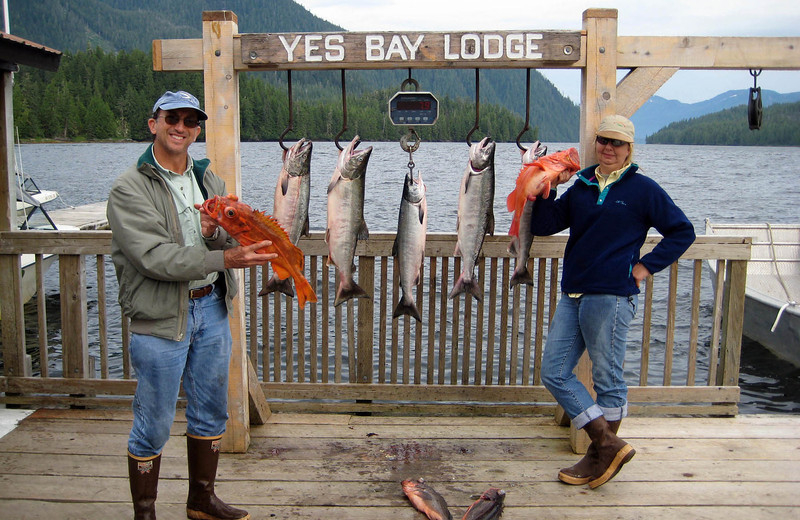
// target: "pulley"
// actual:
[[754, 107]]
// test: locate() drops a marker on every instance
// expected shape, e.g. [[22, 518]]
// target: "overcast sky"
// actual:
[[636, 18]]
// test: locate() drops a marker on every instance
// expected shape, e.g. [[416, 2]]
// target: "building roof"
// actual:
[[16, 51]]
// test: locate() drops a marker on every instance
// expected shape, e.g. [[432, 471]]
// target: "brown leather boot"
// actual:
[[143, 477], [612, 452], [203, 504], [581, 472]]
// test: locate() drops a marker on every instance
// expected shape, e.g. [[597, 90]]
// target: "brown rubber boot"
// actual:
[[612, 452], [203, 504], [143, 477], [581, 472]]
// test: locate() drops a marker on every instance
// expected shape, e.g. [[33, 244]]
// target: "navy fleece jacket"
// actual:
[[607, 230]]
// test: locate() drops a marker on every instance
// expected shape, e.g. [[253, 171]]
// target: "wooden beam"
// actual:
[[638, 86], [221, 83], [709, 53], [684, 52], [259, 407]]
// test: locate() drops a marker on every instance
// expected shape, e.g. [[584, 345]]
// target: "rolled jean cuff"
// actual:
[[583, 418], [615, 414]]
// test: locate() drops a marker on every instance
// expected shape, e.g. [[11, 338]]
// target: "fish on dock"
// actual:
[[426, 500], [346, 224], [409, 244], [249, 226], [534, 180], [290, 207], [475, 215], [489, 506]]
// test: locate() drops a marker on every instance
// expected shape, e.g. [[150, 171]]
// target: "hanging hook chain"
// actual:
[[527, 112], [755, 76], [410, 147], [344, 114], [477, 104], [291, 113]]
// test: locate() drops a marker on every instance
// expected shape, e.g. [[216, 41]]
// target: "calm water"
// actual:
[[734, 184]]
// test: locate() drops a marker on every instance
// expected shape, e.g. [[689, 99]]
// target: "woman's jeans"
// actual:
[[201, 359], [597, 323]]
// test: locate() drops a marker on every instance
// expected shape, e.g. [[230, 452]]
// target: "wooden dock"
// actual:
[[88, 216], [70, 464]]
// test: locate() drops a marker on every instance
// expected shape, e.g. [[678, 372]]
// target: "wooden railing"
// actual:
[[465, 356]]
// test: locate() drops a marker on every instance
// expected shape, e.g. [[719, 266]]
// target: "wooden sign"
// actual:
[[500, 49]]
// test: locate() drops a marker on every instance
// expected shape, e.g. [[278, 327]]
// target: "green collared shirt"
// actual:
[[186, 193]]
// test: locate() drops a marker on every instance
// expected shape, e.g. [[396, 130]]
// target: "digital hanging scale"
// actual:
[[413, 108]]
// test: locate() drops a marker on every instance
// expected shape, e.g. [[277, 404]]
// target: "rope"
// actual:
[[789, 302]]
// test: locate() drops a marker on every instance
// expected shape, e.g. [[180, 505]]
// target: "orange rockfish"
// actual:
[[426, 500], [534, 180], [249, 226]]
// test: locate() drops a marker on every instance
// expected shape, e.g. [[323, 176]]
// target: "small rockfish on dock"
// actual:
[[475, 215], [409, 244], [346, 224], [426, 500], [534, 180], [488, 507], [292, 195], [249, 226]]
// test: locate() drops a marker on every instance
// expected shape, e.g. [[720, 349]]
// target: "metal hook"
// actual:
[[291, 113], [344, 114], [527, 111], [477, 104], [755, 76]]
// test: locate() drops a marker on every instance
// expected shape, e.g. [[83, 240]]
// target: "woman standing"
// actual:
[[608, 210]]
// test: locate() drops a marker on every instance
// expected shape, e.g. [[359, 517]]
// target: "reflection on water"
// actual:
[[768, 383]]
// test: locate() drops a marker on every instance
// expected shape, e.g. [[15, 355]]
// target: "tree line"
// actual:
[[780, 126], [97, 95]]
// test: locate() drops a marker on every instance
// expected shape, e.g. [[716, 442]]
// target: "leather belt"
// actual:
[[201, 291]]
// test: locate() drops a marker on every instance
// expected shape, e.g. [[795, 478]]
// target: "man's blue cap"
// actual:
[[180, 99]]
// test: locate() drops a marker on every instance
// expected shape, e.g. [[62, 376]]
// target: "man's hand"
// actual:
[[639, 273], [207, 224], [247, 256]]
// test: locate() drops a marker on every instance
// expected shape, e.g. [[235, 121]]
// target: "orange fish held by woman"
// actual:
[[249, 226], [535, 179]]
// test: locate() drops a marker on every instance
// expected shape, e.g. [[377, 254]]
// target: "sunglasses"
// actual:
[[172, 120], [616, 143]]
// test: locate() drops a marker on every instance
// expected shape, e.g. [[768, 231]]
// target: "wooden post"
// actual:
[[221, 82], [16, 362], [598, 99], [74, 316], [732, 321]]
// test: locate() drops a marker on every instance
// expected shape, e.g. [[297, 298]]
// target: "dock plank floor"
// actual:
[[70, 464]]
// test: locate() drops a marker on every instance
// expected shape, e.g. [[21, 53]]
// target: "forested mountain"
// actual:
[[104, 30], [99, 95], [780, 126]]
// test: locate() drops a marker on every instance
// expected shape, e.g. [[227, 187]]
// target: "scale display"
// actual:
[[413, 108]]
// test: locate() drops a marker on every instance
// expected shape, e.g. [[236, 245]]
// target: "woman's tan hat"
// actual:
[[616, 127]]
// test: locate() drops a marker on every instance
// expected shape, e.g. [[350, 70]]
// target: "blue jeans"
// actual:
[[598, 324], [201, 359]]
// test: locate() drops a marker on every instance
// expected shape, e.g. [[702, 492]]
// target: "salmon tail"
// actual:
[[276, 284], [466, 285], [407, 306], [521, 275], [348, 289]]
